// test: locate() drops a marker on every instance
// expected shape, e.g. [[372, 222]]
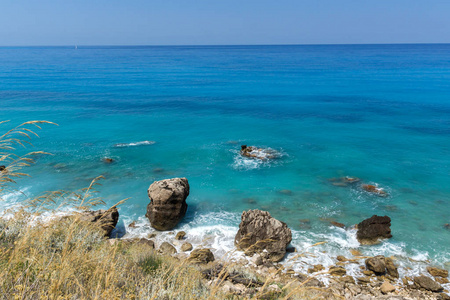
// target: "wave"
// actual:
[[141, 143]]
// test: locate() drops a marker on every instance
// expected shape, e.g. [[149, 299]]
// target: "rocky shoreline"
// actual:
[[262, 243]]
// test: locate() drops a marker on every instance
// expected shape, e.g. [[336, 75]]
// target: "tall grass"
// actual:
[[66, 258]]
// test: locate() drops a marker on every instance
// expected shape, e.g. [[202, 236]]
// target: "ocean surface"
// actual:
[[377, 112]]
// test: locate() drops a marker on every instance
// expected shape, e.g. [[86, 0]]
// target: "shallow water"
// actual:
[[377, 112]]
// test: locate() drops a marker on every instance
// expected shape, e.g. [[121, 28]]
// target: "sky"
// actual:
[[220, 22]]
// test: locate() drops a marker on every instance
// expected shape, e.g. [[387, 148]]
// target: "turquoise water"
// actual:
[[377, 112]]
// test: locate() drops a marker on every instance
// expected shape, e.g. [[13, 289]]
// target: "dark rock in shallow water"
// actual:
[[2, 168], [106, 219], [108, 160], [259, 231], [167, 202], [344, 181], [259, 153], [180, 235], [371, 230], [428, 284]]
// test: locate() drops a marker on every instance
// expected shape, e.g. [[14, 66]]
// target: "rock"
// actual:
[[106, 219], [132, 224], [376, 264], [309, 281], [108, 160], [186, 247], [337, 271], [368, 272], [180, 235], [436, 272], [447, 225], [363, 279], [443, 296], [341, 258], [201, 256], [2, 168], [344, 181], [337, 224], [259, 231], [386, 287], [391, 268], [286, 192], [140, 241], [427, 283], [372, 229], [151, 235], [373, 189], [347, 279], [257, 260], [316, 268], [442, 280], [259, 153], [355, 252], [167, 202], [167, 249], [290, 249]]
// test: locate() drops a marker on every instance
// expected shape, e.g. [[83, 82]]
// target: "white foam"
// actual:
[[134, 144], [267, 157]]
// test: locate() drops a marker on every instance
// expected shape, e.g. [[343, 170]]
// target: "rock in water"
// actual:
[[107, 219], [376, 264], [259, 231], [436, 272], [373, 229], [167, 202]]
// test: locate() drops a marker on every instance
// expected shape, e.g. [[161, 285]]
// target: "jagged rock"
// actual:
[[259, 231], [106, 219], [259, 153], [167, 249], [316, 268], [132, 224], [337, 224], [341, 258], [347, 279], [373, 189], [186, 247], [2, 168], [428, 284], [201, 256], [180, 235], [376, 264], [386, 287], [391, 268], [436, 272], [108, 160], [337, 271], [372, 229], [167, 202], [355, 252]]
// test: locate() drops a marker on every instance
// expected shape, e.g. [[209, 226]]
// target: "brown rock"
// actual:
[[386, 287], [316, 268], [167, 249], [341, 258], [374, 190], [167, 202], [372, 229], [442, 280], [259, 231], [363, 279], [108, 160], [337, 224], [2, 168], [427, 283], [259, 153], [368, 273], [391, 268], [436, 272], [186, 247], [132, 224], [355, 252], [180, 235], [337, 271], [201, 256], [106, 219], [376, 264]]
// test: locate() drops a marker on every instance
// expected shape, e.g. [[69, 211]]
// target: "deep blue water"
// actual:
[[377, 112]]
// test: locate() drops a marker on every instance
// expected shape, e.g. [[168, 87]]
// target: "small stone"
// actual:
[[442, 280], [132, 224], [447, 225], [151, 235], [386, 287], [337, 224], [316, 268], [201, 256], [437, 272], [167, 249], [290, 249], [180, 235], [376, 264], [341, 258], [186, 247], [347, 279], [363, 279], [337, 271], [355, 252], [108, 160], [368, 273]]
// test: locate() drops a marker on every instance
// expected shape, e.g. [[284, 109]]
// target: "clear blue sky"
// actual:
[[185, 22]]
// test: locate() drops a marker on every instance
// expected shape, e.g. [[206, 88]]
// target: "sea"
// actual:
[[380, 113]]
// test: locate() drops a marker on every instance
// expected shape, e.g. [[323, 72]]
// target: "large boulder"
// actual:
[[259, 231], [376, 264], [371, 230], [428, 284], [201, 256], [105, 219], [167, 202]]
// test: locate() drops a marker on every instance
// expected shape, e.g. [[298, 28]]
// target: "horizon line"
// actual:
[[220, 45]]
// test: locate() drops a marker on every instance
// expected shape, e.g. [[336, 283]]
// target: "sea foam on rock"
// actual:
[[167, 202], [260, 233]]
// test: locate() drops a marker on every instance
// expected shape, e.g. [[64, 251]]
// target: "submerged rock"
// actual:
[[259, 153], [373, 189], [167, 202], [371, 230], [344, 181], [259, 231], [106, 219], [108, 160]]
